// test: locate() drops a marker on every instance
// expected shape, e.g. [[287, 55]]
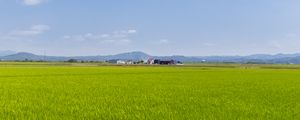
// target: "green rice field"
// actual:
[[92, 91]]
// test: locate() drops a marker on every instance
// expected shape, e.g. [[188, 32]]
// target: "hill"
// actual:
[[257, 58], [7, 52]]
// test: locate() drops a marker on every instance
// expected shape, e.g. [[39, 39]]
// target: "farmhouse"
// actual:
[[163, 62], [114, 61], [117, 61], [149, 61]]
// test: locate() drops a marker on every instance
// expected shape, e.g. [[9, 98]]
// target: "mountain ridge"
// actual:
[[138, 55], [7, 52]]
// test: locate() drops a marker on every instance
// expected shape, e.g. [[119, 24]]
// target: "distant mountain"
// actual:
[[257, 58], [21, 56], [131, 55], [7, 52], [30, 56], [269, 57]]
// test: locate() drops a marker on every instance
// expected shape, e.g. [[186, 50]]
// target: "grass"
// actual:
[[81, 91]]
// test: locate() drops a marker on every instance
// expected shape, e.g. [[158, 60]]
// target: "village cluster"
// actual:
[[150, 61]]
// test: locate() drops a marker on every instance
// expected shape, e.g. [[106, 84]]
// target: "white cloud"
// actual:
[[275, 44], [164, 41], [291, 35], [125, 41], [209, 44], [40, 27], [123, 33], [122, 36], [31, 32], [132, 31], [67, 37], [105, 35], [33, 2], [83, 37]]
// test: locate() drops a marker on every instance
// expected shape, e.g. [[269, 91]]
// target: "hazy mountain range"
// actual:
[[7, 52], [257, 58]]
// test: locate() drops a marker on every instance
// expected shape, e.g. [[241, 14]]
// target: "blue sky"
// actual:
[[157, 27]]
